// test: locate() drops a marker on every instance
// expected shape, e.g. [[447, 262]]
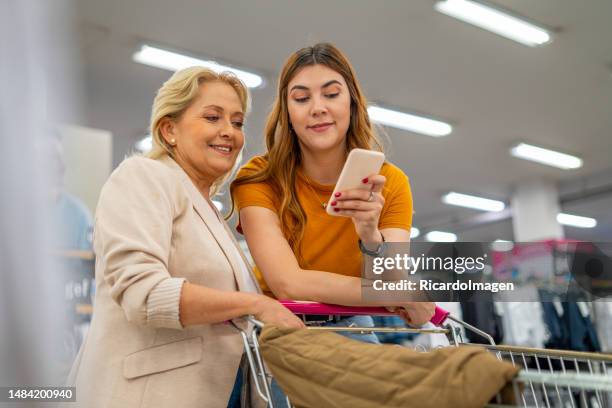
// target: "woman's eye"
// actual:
[[333, 95], [211, 118], [238, 124], [301, 100]]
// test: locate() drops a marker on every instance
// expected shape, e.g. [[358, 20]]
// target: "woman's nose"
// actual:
[[318, 107], [227, 130]]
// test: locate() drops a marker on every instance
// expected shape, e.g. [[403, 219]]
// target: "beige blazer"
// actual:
[[154, 230]]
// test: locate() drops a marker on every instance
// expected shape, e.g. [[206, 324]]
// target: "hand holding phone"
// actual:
[[359, 164]]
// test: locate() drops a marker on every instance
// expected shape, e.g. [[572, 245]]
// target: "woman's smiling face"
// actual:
[[208, 136], [319, 105]]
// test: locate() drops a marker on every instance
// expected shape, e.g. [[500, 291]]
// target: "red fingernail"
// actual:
[[365, 180], [337, 194], [336, 209], [334, 203]]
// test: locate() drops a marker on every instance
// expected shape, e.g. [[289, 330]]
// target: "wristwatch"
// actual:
[[378, 252]]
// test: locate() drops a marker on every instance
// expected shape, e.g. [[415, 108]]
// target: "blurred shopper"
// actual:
[[301, 252], [168, 270], [74, 219], [72, 226]]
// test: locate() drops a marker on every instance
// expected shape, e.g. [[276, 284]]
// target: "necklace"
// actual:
[[308, 183]]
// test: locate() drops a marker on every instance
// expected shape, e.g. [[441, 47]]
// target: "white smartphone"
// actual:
[[359, 164]]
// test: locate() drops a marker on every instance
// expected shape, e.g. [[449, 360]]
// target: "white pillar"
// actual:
[[535, 205]]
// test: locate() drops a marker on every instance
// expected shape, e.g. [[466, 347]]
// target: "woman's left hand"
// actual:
[[364, 207], [415, 314]]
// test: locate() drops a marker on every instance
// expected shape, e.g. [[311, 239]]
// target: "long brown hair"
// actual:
[[283, 150]]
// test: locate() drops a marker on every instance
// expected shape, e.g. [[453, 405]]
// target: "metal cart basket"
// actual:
[[548, 378]]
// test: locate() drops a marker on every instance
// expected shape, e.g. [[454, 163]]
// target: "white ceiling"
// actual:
[[492, 90]]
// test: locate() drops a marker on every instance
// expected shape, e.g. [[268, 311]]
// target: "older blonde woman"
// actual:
[[168, 271]]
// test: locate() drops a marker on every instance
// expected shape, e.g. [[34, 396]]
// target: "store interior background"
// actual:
[[493, 91]]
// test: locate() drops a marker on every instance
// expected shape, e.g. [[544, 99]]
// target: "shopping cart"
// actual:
[[548, 378]]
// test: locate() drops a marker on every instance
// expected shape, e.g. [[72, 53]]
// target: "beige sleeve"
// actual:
[[133, 233]]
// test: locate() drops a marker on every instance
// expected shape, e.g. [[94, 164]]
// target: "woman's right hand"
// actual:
[[271, 312]]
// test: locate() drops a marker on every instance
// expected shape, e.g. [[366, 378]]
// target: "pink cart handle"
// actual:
[[313, 308], [439, 316]]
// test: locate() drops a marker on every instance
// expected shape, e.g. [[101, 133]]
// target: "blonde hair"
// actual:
[[283, 150], [176, 95]]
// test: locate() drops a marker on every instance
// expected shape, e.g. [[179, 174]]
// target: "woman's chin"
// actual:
[[220, 171], [324, 147]]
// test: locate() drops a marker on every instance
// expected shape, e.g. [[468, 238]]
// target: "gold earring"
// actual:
[[172, 142]]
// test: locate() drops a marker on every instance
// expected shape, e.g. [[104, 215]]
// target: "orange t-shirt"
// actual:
[[330, 243]]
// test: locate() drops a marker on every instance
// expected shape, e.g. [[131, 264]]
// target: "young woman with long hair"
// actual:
[[303, 253]]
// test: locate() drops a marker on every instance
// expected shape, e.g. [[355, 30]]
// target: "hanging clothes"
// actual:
[[582, 334], [603, 323], [552, 308], [523, 322], [481, 313], [569, 324]]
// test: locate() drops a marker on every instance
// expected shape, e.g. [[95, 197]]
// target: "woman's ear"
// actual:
[[167, 128]]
